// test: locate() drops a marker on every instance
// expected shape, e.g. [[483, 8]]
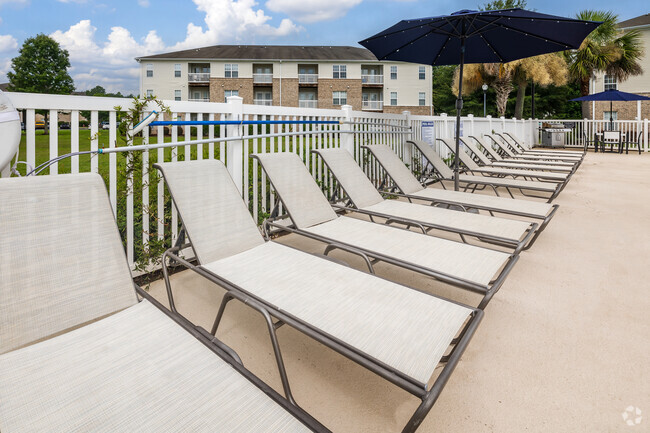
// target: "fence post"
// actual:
[[408, 157], [347, 138], [234, 148], [444, 120], [503, 124], [645, 135], [489, 118], [471, 125]]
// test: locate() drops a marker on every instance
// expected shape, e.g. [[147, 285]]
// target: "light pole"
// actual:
[[484, 87]]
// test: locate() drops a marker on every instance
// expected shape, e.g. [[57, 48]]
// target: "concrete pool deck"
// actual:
[[564, 345]]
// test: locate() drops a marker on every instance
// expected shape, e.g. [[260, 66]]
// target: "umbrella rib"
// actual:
[[492, 48], [440, 51], [531, 35], [430, 25], [409, 43]]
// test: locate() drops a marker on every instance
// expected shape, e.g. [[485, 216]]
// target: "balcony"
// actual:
[[372, 79], [262, 78], [267, 102], [199, 99], [198, 77], [307, 78], [372, 105], [308, 103]]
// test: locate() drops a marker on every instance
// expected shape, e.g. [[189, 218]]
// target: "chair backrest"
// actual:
[[395, 168], [503, 146], [462, 155], [488, 147], [518, 141], [215, 218], [301, 196], [478, 153], [434, 159], [612, 136], [352, 179], [509, 141], [62, 263]]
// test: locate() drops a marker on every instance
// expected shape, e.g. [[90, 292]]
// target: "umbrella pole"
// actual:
[[611, 117], [459, 107]]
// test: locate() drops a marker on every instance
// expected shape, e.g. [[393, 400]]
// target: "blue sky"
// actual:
[[104, 36]]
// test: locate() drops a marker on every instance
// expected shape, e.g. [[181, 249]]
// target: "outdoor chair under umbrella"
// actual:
[[467, 36], [612, 95]]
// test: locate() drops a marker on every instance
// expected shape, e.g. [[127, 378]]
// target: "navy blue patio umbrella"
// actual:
[[612, 95], [467, 36]]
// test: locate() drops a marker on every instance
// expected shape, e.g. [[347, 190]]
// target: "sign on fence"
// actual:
[[428, 132]]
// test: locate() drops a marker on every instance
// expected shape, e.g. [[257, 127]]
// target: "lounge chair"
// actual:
[[473, 268], [510, 153], [367, 200], [499, 161], [78, 352], [519, 150], [399, 333], [443, 172], [473, 168], [473, 142], [406, 185], [524, 147]]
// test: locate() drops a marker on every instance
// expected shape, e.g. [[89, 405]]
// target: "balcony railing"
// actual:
[[198, 77], [372, 79], [372, 105], [262, 78], [206, 99], [263, 102], [307, 78], [308, 103]]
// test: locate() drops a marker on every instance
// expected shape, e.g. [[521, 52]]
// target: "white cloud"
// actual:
[[144, 3], [8, 43], [310, 11]]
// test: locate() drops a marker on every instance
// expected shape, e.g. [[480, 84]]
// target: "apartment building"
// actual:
[[292, 76], [639, 84]]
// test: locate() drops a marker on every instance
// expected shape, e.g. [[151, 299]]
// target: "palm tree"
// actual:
[[606, 49]]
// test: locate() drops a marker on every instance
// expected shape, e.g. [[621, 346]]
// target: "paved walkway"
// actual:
[[564, 346]]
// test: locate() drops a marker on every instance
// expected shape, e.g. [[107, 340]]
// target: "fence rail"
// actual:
[[138, 196]]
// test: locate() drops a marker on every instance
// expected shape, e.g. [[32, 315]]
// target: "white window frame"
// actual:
[[149, 92], [340, 97], [614, 115], [393, 98], [422, 99], [228, 93], [393, 72], [177, 95], [177, 70], [231, 70], [609, 82], [339, 72], [149, 67], [422, 73]]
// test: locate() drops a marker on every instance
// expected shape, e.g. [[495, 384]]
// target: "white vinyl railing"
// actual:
[[262, 78], [198, 77], [138, 197], [307, 78], [206, 99], [372, 105], [308, 103], [265, 102], [372, 79]]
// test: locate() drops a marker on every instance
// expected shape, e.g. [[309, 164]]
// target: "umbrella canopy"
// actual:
[[612, 95], [477, 37]]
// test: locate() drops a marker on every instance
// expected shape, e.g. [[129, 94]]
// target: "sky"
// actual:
[[104, 36]]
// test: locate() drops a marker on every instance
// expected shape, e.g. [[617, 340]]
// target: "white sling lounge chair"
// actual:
[[508, 149], [367, 200], [499, 161], [399, 333], [443, 172], [526, 148], [412, 189], [473, 268], [472, 144], [78, 352], [473, 167]]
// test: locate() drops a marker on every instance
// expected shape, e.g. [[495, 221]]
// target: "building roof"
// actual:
[[268, 52], [642, 20]]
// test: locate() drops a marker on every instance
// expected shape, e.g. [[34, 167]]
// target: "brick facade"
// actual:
[[626, 110], [243, 85], [326, 86], [398, 109]]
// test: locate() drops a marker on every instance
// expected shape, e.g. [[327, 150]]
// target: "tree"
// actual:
[[606, 49], [41, 67], [544, 70], [503, 4]]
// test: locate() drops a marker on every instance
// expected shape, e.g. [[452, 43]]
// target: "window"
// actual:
[[177, 70], [393, 72], [177, 95], [227, 93], [422, 98], [339, 71], [149, 92], [232, 70], [339, 98], [149, 69], [613, 114], [393, 97], [610, 82], [422, 72]]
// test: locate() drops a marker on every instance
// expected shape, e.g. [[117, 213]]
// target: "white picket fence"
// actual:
[[233, 144]]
